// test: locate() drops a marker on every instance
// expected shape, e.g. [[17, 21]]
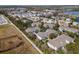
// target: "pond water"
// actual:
[[75, 13]]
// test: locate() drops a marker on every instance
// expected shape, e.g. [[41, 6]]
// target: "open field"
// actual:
[[12, 42]]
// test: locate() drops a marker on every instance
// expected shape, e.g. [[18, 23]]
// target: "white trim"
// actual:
[[51, 46], [38, 36]]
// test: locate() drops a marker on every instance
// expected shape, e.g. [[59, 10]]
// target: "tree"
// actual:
[[41, 25], [3, 12], [71, 34], [74, 19], [11, 18], [27, 24], [72, 48], [42, 28], [32, 36], [56, 26], [60, 51], [52, 35], [77, 40]]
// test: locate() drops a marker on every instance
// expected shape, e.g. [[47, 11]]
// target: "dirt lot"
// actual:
[[14, 45]]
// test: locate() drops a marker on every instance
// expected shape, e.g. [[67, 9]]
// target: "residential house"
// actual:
[[68, 21], [32, 29], [63, 22], [75, 23], [49, 25], [35, 19], [60, 42], [47, 20], [73, 30], [35, 24], [44, 35]]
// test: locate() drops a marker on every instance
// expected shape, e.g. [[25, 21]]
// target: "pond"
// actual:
[[74, 13]]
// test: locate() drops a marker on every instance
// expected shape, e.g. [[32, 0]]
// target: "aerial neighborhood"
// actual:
[[51, 30]]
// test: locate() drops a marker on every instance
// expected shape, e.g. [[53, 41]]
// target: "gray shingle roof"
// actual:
[[50, 25], [69, 29], [60, 41], [44, 35]]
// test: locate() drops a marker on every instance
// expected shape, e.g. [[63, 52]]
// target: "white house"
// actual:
[[47, 20], [60, 42], [75, 23], [68, 20], [35, 18]]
